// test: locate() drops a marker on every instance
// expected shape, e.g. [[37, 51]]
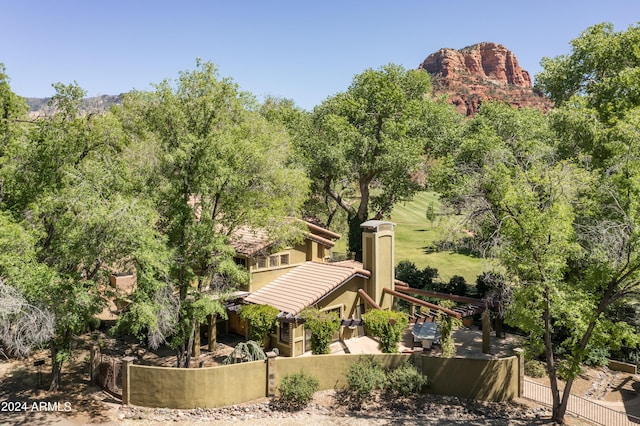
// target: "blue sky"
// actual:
[[302, 50]]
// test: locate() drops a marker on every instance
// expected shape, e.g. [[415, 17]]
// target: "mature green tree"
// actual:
[[597, 87], [66, 188], [365, 143], [216, 165], [520, 199], [299, 124], [556, 226], [603, 68], [23, 324], [12, 111]]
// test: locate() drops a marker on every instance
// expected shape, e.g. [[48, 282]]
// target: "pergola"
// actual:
[[472, 306]]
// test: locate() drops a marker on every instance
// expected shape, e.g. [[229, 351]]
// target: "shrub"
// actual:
[[408, 272], [261, 318], [323, 325], [387, 326], [405, 380], [597, 356], [365, 376], [534, 368], [296, 390], [457, 285], [447, 325]]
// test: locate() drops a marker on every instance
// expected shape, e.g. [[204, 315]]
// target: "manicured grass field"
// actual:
[[414, 233]]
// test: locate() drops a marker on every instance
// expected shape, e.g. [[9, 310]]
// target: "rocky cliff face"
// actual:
[[39, 107], [484, 71]]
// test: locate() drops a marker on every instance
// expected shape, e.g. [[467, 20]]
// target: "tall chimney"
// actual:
[[378, 258]]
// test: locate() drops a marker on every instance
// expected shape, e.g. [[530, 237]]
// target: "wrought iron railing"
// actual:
[[580, 407]]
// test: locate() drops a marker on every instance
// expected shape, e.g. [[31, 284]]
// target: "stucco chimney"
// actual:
[[378, 258]]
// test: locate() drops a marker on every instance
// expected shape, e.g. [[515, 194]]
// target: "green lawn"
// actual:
[[414, 233]]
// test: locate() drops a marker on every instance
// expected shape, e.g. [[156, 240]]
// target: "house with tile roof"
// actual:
[[303, 275]]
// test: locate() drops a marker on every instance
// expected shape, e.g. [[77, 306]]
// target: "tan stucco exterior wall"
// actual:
[[296, 345], [486, 380], [490, 380], [237, 324], [346, 297], [378, 257], [331, 369], [197, 387]]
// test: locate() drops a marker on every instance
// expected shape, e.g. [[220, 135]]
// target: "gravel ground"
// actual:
[[419, 410]]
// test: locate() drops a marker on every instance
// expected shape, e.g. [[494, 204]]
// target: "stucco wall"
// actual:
[[331, 369], [196, 387], [487, 380], [490, 380]]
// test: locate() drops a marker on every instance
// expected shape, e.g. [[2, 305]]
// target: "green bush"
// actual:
[[457, 285], [597, 356], [387, 326], [405, 380], [323, 325], [365, 376], [296, 390], [534, 368], [261, 318]]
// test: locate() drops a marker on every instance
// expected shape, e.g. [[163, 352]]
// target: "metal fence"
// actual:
[[579, 406]]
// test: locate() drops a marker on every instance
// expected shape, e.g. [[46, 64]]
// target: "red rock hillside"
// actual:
[[484, 71]]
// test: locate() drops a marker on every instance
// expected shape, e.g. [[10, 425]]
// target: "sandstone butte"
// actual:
[[481, 72]]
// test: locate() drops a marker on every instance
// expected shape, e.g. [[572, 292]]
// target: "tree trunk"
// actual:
[[180, 356], [355, 237], [212, 343], [195, 352], [189, 347], [56, 369], [557, 415]]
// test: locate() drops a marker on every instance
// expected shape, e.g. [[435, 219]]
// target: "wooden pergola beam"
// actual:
[[422, 303], [462, 299], [368, 299]]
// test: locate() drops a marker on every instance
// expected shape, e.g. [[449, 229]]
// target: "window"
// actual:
[[307, 339], [262, 262], [284, 259], [240, 261], [273, 261], [284, 332]]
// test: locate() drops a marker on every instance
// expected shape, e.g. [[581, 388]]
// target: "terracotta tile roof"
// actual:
[[323, 232], [249, 241], [304, 286]]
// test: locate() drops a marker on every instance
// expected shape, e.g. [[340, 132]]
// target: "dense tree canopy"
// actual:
[[603, 68], [365, 144], [61, 190], [214, 165], [159, 185], [555, 199]]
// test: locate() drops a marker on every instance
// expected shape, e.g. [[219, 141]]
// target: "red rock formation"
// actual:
[[484, 71]]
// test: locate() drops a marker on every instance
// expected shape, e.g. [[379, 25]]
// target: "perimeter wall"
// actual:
[[184, 388]]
